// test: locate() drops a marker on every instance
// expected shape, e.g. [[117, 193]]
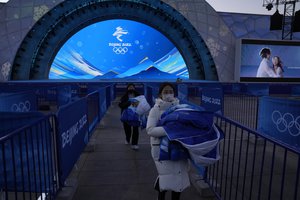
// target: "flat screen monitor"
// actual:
[[267, 61]]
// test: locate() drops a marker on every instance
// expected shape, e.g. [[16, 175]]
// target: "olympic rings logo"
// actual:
[[286, 122], [21, 107], [120, 50]]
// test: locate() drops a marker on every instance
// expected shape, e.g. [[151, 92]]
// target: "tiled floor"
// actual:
[[113, 171]]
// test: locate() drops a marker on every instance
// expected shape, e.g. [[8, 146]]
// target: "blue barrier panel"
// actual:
[[72, 136], [295, 90], [64, 95], [280, 119], [280, 88], [112, 94], [227, 88], [107, 96], [182, 92], [48, 93], [212, 99], [93, 110], [239, 88], [75, 90], [18, 102], [102, 102], [10, 121], [258, 89]]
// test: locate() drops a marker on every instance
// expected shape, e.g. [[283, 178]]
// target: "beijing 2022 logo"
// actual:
[[120, 47], [286, 122]]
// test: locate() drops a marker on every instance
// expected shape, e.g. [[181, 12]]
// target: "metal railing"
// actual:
[[242, 108], [28, 161], [253, 166]]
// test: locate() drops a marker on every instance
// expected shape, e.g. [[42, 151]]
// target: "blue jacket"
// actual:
[[195, 131]]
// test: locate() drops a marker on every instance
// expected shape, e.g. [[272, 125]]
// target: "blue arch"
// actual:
[[38, 49]]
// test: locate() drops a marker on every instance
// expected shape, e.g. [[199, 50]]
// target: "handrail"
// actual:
[[16, 131], [295, 150]]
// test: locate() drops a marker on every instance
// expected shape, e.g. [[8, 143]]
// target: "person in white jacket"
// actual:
[[265, 68], [172, 175]]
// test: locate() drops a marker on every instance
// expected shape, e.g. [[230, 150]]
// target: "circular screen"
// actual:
[[118, 49]]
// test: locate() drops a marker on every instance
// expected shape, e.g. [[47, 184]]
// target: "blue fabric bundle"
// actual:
[[130, 117], [196, 133], [172, 150]]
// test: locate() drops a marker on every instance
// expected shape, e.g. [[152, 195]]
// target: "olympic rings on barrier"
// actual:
[[286, 122], [21, 107], [120, 50]]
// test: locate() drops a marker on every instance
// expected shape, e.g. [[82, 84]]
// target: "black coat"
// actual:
[[124, 103]]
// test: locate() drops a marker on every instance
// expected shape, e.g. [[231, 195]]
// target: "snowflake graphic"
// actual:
[[5, 70], [224, 30], [214, 47], [39, 11]]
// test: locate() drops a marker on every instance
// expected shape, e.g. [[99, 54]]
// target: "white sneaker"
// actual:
[[126, 142], [135, 147]]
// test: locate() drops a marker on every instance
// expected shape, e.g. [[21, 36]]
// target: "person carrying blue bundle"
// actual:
[[172, 175], [136, 114], [131, 131], [194, 132]]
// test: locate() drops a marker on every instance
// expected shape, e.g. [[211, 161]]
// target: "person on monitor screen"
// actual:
[[130, 131], [278, 66], [172, 175], [265, 68]]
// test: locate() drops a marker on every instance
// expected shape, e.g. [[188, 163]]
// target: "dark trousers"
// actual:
[[134, 135]]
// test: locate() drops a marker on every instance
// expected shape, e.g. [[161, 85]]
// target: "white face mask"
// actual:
[[168, 97]]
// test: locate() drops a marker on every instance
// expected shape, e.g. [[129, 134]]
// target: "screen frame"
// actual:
[[238, 52]]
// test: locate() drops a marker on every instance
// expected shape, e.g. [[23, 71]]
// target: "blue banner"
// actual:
[[295, 90], [107, 96], [102, 102], [93, 110], [280, 119], [64, 95], [183, 92], [18, 102], [73, 134], [239, 88], [112, 93], [212, 99], [258, 89], [46, 94]]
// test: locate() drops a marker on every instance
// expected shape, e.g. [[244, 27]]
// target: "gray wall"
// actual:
[[218, 30]]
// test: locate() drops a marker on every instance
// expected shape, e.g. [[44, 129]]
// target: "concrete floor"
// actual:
[[111, 170]]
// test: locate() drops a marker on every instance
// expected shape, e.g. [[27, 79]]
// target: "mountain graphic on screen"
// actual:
[[152, 72], [108, 75], [144, 64], [88, 54]]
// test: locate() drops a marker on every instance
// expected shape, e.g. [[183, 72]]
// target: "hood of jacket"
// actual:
[[164, 105]]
